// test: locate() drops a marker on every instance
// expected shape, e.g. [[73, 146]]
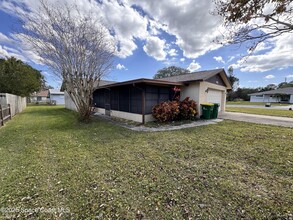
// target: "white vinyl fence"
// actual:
[[17, 103]]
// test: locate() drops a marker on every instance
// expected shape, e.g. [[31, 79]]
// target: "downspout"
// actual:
[[143, 102]]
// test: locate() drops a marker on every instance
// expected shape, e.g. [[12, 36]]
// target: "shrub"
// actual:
[[175, 110], [166, 111], [188, 109]]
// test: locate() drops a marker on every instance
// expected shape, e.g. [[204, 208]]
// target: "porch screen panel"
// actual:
[[164, 94], [135, 100], [124, 99], [115, 99], [99, 98], [155, 95], [151, 98]]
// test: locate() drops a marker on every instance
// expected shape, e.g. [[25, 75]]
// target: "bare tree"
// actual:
[[74, 44], [255, 21]]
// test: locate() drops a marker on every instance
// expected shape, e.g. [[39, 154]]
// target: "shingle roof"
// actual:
[[141, 80], [103, 83], [284, 91], [194, 76], [41, 94], [173, 80], [55, 92]]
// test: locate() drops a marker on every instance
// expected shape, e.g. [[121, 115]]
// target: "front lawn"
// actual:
[[230, 170], [261, 111]]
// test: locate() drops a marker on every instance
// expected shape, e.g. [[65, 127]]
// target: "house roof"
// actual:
[[100, 83], [40, 94], [55, 92], [173, 80], [283, 91], [142, 80], [200, 76]]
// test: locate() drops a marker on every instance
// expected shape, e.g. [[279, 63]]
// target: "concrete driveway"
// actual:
[[258, 119], [262, 107]]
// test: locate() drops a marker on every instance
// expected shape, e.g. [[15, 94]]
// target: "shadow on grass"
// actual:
[[57, 118]]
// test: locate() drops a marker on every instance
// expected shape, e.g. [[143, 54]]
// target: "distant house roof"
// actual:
[[40, 94], [174, 80], [55, 92], [283, 91]]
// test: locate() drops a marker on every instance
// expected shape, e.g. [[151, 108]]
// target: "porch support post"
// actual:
[[143, 106]]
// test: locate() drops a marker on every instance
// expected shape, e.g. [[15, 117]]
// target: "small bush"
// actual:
[[166, 111], [175, 110], [188, 109]]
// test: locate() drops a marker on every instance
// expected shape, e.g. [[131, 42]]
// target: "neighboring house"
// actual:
[[135, 99], [278, 95], [40, 97], [56, 96]]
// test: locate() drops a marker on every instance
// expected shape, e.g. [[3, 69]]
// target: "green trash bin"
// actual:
[[207, 110], [215, 110]]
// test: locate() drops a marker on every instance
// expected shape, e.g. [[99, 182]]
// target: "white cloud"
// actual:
[[219, 59], [120, 67], [280, 56], [126, 24], [5, 39], [172, 52], [193, 66], [269, 77], [192, 24], [290, 76], [262, 46], [182, 59], [155, 48], [11, 52], [230, 58]]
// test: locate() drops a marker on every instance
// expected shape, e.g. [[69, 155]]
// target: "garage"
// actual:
[[215, 96]]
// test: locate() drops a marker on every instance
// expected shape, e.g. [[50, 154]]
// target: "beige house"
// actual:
[[39, 97], [134, 99]]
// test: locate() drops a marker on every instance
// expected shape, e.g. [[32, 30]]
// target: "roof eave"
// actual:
[[144, 81]]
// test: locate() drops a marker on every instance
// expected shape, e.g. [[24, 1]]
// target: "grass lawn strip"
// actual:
[[272, 112], [99, 170], [254, 103]]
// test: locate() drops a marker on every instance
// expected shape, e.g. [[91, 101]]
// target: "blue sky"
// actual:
[[157, 34]]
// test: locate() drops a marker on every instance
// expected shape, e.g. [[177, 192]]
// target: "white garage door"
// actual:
[[215, 96]]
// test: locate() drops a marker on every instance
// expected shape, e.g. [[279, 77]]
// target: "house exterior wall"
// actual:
[[69, 104], [126, 115], [193, 92], [197, 92], [256, 98], [42, 99], [17, 103], [264, 98], [205, 86], [59, 98]]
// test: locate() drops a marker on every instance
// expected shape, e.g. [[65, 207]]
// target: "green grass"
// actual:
[[253, 103], [230, 170], [260, 111]]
